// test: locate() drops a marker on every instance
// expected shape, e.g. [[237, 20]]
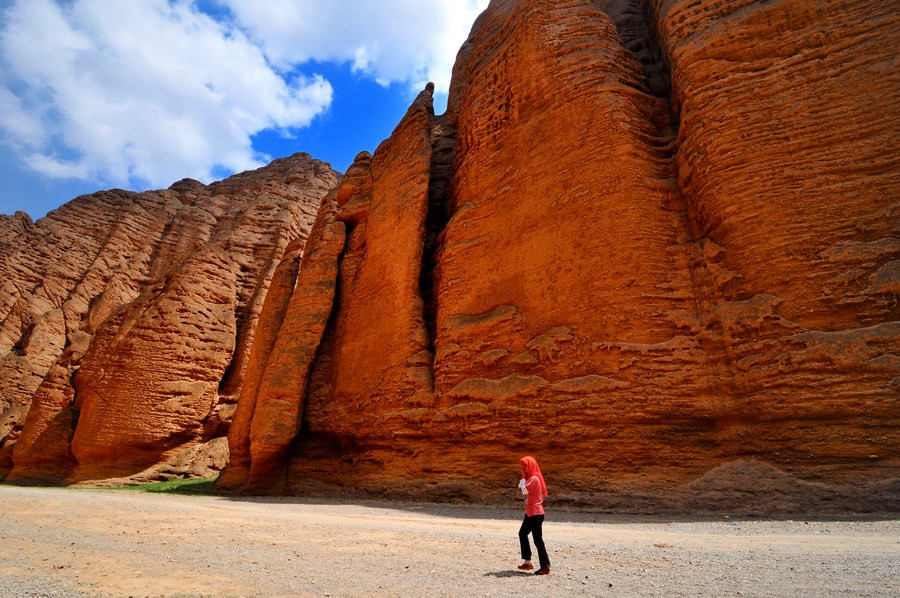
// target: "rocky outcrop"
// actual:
[[126, 319], [653, 243], [650, 242]]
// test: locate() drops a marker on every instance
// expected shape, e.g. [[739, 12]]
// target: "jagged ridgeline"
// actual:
[[654, 242]]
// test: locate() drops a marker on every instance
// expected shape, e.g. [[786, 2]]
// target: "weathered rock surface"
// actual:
[[126, 319], [653, 243]]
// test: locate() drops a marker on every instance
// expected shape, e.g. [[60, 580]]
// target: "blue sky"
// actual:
[[97, 94]]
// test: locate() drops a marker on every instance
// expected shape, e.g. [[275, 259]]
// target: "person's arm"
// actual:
[[533, 486]]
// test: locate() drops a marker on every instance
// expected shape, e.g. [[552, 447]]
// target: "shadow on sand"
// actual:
[[558, 513], [506, 573]]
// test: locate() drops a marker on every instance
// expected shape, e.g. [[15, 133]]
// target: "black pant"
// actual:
[[532, 525]]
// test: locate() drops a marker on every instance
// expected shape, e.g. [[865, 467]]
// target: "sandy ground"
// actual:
[[58, 542]]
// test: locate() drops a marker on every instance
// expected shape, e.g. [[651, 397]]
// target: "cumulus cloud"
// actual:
[[140, 92], [412, 41], [145, 92]]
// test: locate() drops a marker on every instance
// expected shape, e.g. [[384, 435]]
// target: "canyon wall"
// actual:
[[126, 321], [652, 243]]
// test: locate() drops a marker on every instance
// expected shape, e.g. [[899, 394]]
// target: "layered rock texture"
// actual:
[[653, 243], [126, 321]]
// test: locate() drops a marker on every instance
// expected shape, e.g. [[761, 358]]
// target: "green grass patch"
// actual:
[[176, 486]]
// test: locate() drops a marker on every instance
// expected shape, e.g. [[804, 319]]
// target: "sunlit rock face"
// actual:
[[126, 319], [652, 243]]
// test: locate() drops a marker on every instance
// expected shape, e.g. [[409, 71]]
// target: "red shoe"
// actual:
[[526, 567], [543, 571]]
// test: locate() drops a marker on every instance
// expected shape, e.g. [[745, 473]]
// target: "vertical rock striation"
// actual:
[[650, 241], [376, 353], [653, 242], [795, 194], [561, 270], [126, 319]]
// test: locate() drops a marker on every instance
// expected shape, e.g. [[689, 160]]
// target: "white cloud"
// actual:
[[412, 41], [18, 122], [144, 92], [138, 93]]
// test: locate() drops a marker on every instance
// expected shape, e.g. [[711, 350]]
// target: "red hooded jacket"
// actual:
[[534, 483]]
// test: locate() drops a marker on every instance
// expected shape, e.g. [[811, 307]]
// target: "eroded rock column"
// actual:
[[787, 157]]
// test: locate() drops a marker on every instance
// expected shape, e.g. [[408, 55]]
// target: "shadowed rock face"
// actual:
[[126, 319], [650, 242]]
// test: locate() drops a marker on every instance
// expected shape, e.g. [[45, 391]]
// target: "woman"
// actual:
[[534, 489]]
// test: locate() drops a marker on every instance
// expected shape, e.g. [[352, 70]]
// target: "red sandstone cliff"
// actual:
[[653, 243], [126, 319]]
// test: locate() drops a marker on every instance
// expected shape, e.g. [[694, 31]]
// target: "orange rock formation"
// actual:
[[651, 242], [127, 318]]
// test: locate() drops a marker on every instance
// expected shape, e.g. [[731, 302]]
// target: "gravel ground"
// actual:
[[59, 542]]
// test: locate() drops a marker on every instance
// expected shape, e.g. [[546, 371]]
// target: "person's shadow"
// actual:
[[505, 573]]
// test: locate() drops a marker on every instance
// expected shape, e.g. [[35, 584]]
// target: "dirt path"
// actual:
[[56, 542]]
